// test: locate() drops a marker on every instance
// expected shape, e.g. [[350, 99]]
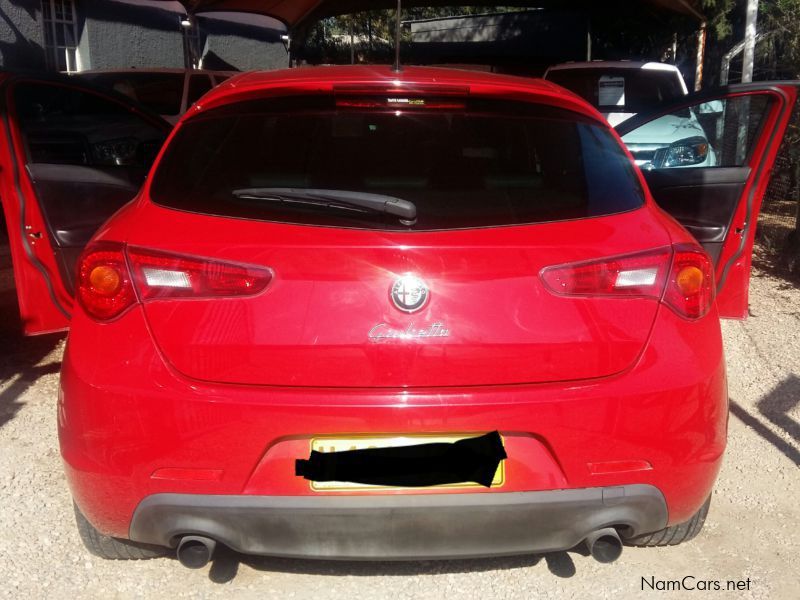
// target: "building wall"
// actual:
[[122, 34], [21, 35], [240, 46], [119, 35], [522, 43]]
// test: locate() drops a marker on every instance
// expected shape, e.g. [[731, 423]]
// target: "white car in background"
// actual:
[[622, 89], [167, 92]]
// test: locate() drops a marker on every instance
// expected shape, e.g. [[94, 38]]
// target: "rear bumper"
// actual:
[[129, 434], [402, 526]]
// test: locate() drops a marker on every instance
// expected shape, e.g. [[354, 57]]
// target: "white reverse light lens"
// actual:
[[166, 278], [636, 278]]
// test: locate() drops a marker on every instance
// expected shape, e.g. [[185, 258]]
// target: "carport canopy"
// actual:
[[296, 12]]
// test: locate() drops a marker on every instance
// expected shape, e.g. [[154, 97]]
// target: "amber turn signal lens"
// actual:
[[690, 280], [105, 280]]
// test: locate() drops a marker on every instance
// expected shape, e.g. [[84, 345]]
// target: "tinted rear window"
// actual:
[[486, 164], [620, 90]]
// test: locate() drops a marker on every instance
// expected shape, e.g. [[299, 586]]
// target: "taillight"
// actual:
[[682, 276], [690, 286], [105, 289], [640, 274], [110, 278], [162, 275]]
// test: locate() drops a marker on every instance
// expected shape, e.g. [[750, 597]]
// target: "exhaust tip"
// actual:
[[194, 551], [604, 545]]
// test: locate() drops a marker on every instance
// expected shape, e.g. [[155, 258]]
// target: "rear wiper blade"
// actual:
[[403, 209]]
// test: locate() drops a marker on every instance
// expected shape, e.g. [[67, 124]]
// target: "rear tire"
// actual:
[[111, 548], [676, 534]]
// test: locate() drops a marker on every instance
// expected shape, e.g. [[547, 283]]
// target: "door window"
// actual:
[[67, 126], [160, 92], [716, 133]]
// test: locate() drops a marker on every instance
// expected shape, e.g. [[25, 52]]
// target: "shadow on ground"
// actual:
[[226, 563], [784, 264], [20, 356], [775, 407]]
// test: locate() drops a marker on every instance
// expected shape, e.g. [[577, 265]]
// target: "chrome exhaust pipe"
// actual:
[[604, 545], [194, 551]]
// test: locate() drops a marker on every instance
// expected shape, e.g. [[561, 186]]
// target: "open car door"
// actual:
[[70, 157], [707, 160]]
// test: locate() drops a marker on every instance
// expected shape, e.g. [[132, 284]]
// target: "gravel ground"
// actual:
[[751, 532]]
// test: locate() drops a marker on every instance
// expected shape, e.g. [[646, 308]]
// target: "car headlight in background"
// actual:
[[683, 153], [119, 152]]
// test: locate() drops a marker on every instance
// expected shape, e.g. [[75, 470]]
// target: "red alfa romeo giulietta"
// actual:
[[358, 313]]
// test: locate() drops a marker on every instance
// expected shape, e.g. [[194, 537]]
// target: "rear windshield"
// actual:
[[478, 165], [620, 90]]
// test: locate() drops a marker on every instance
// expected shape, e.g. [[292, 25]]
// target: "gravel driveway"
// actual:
[[751, 533]]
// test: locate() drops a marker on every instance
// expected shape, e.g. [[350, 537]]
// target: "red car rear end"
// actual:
[[331, 260]]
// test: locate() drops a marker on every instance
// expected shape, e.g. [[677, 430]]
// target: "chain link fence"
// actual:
[[778, 232]]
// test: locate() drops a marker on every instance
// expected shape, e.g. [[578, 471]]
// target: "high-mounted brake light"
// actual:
[[682, 276], [401, 96], [400, 103], [162, 275], [110, 279], [401, 88]]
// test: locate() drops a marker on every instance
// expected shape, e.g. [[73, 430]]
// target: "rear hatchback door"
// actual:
[[502, 190], [70, 157], [713, 179]]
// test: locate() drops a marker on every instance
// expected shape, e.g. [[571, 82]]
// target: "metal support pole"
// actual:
[[397, 32], [675, 48], [352, 42], [588, 39], [725, 70], [286, 38], [701, 55], [185, 24], [751, 22]]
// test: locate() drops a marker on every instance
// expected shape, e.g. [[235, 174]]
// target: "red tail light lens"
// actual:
[[105, 289], [682, 276], [109, 281], [690, 287], [161, 275], [632, 275]]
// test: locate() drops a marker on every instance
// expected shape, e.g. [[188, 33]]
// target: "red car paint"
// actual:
[[120, 426], [220, 395]]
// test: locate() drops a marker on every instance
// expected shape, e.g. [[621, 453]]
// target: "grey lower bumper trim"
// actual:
[[416, 526]]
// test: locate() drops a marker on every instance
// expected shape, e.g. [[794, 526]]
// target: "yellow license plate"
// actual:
[[361, 442]]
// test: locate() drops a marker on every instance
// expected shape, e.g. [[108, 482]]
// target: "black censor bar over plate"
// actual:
[[465, 461]]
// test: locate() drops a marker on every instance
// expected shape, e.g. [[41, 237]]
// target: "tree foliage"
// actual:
[[719, 17], [780, 53], [369, 36], [618, 34]]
